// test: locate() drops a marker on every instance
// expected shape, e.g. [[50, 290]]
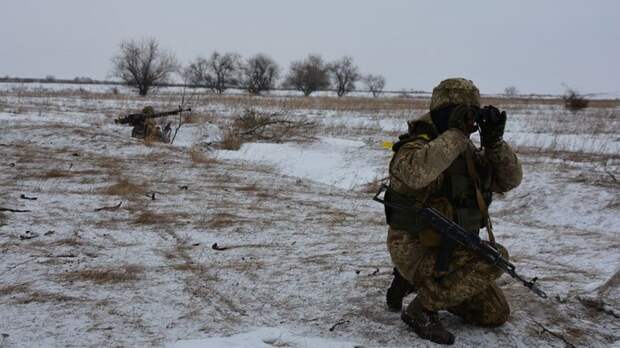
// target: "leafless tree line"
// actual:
[[143, 65]]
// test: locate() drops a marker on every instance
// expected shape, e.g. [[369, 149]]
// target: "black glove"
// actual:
[[492, 123], [462, 117]]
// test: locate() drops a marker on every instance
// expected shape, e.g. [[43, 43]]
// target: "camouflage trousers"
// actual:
[[468, 289]]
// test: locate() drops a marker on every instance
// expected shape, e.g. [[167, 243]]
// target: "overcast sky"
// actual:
[[533, 45]]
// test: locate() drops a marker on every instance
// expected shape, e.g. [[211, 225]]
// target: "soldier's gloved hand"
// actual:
[[492, 123], [462, 118]]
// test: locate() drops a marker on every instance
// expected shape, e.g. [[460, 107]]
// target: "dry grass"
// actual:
[[220, 220], [253, 125], [42, 297], [111, 164], [231, 140], [14, 288], [245, 265], [270, 195], [371, 187], [195, 117], [152, 218], [338, 217], [72, 242], [322, 103], [189, 267], [150, 140], [200, 157], [124, 187], [110, 275], [534, 101], [248, 188], [56, 173], [347, 103]]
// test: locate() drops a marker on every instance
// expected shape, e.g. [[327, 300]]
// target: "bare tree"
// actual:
[[375, 84], [218, 72], [344, 75], [142, 65], [260, 73], [308, 75], [511, 91]]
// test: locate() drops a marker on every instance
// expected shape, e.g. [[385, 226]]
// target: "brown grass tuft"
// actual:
[[56, 173], [112, 164], [222, 220], [191, 118], [152, 218], [200, 157], [105, 275], [232, 140], [14, 288], [248, 188], [124, 187], [189, 266], [74, 242], [42, 297], [151, 139]]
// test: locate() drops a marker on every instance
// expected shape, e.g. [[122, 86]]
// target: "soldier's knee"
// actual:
[[496, 314], [499, 318]]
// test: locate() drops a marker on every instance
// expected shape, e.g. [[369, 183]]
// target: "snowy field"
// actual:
[[112, 241]]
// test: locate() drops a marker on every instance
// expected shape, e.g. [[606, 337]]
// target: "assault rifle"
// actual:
[[472, 242], [138, 119]]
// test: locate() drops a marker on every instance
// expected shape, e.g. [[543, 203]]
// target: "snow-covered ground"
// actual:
[[304, 262]]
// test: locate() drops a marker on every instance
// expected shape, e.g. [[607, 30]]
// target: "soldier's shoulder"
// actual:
[[422, 126]]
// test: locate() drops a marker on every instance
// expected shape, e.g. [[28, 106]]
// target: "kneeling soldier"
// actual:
[[436, 165]]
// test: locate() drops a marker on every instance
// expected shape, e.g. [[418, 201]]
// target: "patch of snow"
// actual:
[[336, 162], [264, 338]]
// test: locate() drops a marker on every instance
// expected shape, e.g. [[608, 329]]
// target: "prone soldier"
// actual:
[[145, 127]]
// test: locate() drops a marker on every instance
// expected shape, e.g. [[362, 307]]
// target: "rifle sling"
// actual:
[[471, 169]]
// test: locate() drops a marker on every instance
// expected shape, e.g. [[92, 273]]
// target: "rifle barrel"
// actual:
[[140, 117]]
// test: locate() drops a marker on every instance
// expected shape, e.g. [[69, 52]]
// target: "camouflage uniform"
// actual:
[[149, 129], [420, 168]]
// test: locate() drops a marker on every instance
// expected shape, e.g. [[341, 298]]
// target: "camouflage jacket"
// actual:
[[417, 168]]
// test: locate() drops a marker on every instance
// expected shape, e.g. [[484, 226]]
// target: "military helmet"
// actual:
[[455, 91], [148, 110]]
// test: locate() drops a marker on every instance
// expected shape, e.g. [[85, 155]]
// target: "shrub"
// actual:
[[257, 126], [574, 101]]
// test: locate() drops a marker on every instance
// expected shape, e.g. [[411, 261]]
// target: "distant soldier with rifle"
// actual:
[[145, 127], [436, 203]]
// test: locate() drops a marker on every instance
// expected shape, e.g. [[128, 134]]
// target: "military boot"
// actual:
[[399, 288], [426, 323]]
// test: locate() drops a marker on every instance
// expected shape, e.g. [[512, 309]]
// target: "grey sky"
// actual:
[[533, 45]]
